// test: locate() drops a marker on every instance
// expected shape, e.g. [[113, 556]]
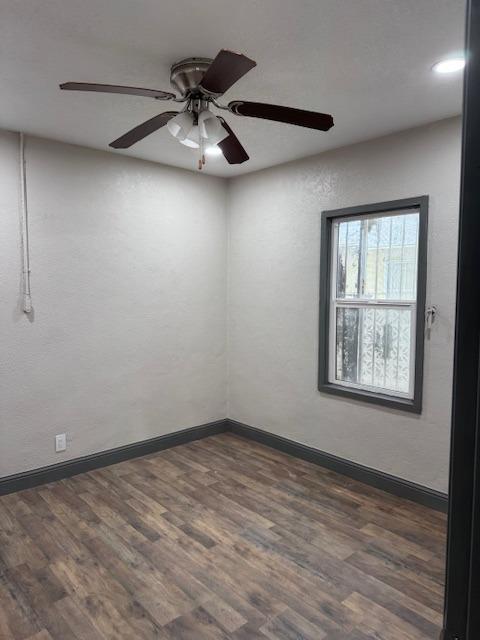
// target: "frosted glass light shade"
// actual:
[[192, 140], [181, 125], [211, 128]]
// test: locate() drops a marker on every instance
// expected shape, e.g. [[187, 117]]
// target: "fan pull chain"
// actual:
[[200, 151], [201, 148]]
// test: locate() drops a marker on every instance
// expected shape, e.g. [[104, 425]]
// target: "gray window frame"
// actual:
[[414, 404]]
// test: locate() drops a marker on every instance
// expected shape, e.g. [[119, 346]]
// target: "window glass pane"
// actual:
[[377, 257], [348, 258], [347, 344], [371, 256], [410, 257], [373, 347], [341, 256]]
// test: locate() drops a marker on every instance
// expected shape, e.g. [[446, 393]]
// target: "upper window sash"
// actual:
[[360, 242]]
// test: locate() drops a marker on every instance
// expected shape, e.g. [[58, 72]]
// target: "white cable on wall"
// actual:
[[24, 240]]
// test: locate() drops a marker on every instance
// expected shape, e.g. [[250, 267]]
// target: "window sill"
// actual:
[[402, 404]]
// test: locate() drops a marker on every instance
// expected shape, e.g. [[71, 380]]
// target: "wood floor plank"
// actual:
[[384, 623], [289, 625], [41, 635], [69, 619], [221, 538]]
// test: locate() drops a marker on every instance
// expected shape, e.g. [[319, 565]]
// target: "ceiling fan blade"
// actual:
[[143, 130], [231, 148], [225, 70], [299, 117], [113, 88]]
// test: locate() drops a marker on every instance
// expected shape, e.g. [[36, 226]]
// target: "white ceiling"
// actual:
[[368, 62]]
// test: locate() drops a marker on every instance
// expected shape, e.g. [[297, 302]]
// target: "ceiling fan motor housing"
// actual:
[[187, 74]]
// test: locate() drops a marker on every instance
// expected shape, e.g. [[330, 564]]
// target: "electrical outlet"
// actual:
[[60, 442]]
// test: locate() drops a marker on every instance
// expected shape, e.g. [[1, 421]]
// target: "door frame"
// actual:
[[462, 591]]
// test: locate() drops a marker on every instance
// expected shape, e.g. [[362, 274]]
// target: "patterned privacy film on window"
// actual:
[[373, 347], [375, 293], [377, 258]]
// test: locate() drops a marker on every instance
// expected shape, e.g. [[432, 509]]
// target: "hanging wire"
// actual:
[[24, 237]]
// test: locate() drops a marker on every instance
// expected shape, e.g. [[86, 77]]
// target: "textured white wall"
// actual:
[[274, 244], [129, 289], [128, 281]]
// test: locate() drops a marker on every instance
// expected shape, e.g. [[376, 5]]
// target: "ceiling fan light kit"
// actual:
[[197, 129], [193, 138], [211, 127], [200, 82], [181, 125]]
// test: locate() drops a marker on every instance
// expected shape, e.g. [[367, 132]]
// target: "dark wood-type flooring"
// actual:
[[220, 538]]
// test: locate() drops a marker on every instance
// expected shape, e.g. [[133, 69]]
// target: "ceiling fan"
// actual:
[[200, 82]]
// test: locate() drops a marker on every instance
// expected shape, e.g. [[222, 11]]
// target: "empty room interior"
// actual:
[[228, 266]]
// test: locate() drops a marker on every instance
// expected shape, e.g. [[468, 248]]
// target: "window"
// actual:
[[372, 302]]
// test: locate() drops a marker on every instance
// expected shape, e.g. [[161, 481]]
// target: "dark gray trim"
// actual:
[[69, 468], [391, 484], [420, 203], [372, 477]]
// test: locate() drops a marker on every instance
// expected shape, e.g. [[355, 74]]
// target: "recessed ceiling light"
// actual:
[[449, 65], [213, 151]]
